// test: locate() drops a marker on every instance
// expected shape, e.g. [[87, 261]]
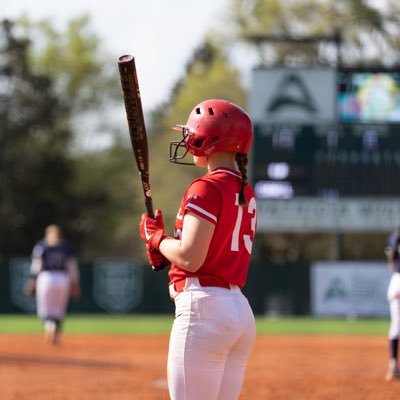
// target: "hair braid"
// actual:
[[242, 161]]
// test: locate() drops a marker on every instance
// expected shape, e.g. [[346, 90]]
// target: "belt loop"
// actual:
[[172, 292], [234, 288], [191, 280]]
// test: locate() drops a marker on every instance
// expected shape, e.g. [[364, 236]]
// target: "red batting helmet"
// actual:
[[213, 125]]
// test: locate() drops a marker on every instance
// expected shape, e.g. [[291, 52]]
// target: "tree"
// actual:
[[50, 100], [110, 199], [34, 168], [366, 33], [84, 76]]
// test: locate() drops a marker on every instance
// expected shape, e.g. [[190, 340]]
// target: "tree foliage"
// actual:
[[74, 58], [366, 33], [45, 177], [34, 169]]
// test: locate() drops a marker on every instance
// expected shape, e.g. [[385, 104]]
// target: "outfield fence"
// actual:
[[119, 286]]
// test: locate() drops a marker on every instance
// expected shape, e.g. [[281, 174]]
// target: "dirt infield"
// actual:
[[87, 367]]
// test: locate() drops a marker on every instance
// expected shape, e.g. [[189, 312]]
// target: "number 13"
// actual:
[[251, 209]]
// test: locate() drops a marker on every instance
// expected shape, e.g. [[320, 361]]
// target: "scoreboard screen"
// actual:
[[369, 96], [327, 161]]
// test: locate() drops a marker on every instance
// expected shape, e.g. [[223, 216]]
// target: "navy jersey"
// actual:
[[54, 258]]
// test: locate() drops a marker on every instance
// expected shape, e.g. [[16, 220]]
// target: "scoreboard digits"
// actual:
[[332, 161]]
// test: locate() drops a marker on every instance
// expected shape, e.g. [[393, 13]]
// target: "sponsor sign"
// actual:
[[117, 285], [310, 214], [19, 275], [349, 289], [300, 95]]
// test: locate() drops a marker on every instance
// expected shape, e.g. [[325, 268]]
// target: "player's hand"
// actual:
[[75, 291], [159, 218], [152, 230], [30, 288], [157, 260]]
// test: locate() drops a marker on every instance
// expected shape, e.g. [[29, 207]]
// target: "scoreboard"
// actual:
[[355, 152], [328, 161]]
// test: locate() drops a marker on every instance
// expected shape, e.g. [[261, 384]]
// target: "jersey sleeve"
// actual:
[[37, 262], [38, 250], [203, 199]]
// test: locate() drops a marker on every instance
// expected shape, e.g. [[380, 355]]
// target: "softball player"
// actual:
[[214, 328], [54, 278], [392, 251]]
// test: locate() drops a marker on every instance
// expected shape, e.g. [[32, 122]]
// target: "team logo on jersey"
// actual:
[[19, 275], [117, 285]]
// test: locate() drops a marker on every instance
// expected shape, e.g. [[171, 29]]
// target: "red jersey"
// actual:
[[215, 197]]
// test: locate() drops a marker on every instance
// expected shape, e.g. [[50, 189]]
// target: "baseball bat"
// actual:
[[137, 128]]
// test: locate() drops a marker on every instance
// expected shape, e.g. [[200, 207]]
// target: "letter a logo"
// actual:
[[292, 93]]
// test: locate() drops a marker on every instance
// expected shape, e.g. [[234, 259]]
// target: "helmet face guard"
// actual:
[[179, 148], [213, 126]]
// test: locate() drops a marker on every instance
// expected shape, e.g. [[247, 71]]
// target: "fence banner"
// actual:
[[308, 214], [349, 289], [19, 275], [117, 285]]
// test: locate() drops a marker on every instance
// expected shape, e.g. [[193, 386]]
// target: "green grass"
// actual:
[[161, 324], [94, 323], [322, 326]]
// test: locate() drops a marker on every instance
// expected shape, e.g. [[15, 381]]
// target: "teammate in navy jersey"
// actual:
[[392, 252], [54, 279], [214, 328]]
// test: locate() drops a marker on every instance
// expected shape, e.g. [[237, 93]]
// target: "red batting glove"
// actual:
[[152, 230], [159, 218], [157, 260]]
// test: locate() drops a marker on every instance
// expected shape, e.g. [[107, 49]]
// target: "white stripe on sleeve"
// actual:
[[201, 211]]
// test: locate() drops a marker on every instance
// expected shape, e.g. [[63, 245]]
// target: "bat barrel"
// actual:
[[136, 123]]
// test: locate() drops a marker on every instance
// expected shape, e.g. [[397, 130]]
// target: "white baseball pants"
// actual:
[[52, 294], [393, 295], [211, 340]]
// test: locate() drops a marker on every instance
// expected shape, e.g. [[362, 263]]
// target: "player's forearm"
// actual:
[[189, 258], [36, 266], [73, 269]]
